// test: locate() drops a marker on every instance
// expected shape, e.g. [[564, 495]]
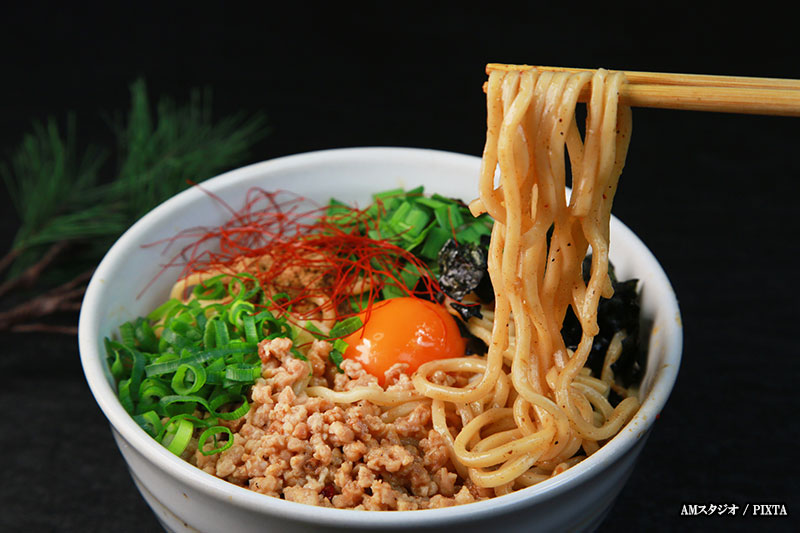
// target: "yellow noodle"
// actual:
[[555, 403], [403, 409], [376, 395], [613, 353]]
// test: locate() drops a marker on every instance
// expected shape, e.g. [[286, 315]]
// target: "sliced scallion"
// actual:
[[182, 383], [192, 364], [345, 327], [213, 432], [178, 435]]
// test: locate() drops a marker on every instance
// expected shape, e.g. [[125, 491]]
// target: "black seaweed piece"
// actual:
[[620, 312], [463, 269], [422, 290], [485, 290], [473, 345], [467, 311]]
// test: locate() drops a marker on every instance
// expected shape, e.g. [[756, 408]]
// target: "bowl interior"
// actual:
[[130, 281]]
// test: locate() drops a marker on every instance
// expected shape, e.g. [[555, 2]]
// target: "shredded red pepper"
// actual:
[[281, 229]]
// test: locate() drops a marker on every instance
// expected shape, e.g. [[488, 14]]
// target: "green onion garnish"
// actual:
[[345, 327], [213, 432], [178, 435], [422, 224], [199, 369]]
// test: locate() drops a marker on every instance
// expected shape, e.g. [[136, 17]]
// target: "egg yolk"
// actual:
[[404, 330]]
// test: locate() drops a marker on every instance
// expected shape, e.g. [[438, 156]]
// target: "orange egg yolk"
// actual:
[[404, 330]]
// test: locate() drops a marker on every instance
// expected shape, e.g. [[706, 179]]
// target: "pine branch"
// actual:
[[46, 178], [45, 328], [62, 199], [165, 151], [31, 275], [66, 297], [9, 258]]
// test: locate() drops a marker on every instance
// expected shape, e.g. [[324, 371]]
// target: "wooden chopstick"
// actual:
[[665, 78], [698, 92]]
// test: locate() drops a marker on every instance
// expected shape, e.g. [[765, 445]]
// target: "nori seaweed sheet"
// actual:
[[620, 312], [463, 269]]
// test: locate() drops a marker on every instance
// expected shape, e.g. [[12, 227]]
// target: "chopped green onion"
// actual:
[[422, 224], [194, 358], [337, 358], [249, 327], [127, 335], [436, 239], [221, 333], [416, 220], [340, 345], [388, 199], [213, 431], [145, 336], [243, 372], [124, 393], [150, 422], [182, 385], [314, 330], [178, 435], [163, 310], [399, 214], [430, 202], [345, 327], [416, 192], [468, 235], [172, 337], [225, 399]]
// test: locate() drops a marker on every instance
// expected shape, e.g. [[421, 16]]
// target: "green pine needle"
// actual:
[[162, 153], [46, 178], [64, 194]]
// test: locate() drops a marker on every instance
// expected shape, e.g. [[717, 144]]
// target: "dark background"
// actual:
[[713, 195]]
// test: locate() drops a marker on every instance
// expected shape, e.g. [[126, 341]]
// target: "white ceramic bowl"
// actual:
[[187, 499]]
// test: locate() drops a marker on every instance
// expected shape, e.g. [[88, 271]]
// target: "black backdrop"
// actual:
[[713, 195]]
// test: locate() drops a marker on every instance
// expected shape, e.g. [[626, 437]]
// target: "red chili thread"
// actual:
[[331, 248]]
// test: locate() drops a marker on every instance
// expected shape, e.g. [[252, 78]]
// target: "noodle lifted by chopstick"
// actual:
[[530, 406]]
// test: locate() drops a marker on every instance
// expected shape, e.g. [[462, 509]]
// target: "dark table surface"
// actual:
[[715, 197]]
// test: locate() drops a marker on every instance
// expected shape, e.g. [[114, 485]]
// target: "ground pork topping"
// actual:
[[308, 449]]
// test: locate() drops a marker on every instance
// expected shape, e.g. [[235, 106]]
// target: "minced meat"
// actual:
[[308, 449]]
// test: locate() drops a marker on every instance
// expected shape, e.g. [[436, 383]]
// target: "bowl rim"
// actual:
[[91, 354]]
